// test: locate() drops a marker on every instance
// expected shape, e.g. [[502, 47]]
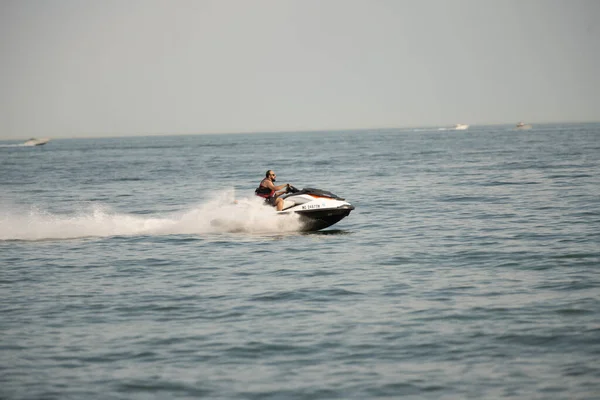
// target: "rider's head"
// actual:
[[270, 175]]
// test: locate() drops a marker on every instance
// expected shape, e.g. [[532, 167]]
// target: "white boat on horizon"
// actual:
[[461, 127], [36, 142], [523, 125]]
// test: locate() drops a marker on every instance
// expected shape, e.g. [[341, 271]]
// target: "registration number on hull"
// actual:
[[311, 206]]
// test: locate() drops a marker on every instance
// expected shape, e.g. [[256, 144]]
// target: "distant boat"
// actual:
[[461, 127], [36, 142], [523, 125]]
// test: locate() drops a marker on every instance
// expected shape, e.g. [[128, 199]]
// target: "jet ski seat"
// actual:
[[288, 203]]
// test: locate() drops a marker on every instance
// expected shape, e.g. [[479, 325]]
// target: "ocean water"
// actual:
[[469, 269]]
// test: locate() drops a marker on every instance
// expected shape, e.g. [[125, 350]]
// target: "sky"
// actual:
[[72, 68]]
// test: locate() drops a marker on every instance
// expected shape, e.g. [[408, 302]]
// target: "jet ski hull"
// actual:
[[317, 209], [321, 219]]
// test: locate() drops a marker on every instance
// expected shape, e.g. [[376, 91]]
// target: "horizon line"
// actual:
[[163, 134]]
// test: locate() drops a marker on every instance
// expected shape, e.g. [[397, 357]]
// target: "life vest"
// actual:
[[264, 192]]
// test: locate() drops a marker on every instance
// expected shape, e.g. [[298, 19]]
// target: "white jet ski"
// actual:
[[318, 209]]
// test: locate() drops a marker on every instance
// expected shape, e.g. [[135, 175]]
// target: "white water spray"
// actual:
[[220, 215]]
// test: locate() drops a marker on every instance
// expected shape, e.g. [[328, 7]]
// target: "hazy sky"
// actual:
[[125, 67]]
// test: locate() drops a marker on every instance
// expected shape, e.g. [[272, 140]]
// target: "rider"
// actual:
[[270, 192]]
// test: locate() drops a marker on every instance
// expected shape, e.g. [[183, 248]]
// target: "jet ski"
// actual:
[[318, 209]]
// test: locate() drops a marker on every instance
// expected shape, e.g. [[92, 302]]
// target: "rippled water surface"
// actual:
[[469, 269]]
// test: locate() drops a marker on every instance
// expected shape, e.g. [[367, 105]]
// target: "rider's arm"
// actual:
[[270, 185]]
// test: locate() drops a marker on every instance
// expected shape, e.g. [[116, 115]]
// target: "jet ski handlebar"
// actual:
[[291, 189]]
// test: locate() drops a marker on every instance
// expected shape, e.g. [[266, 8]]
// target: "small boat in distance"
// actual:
[[461, 127], [523, 125], [36, 142]]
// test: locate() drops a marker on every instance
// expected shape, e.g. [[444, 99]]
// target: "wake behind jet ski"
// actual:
[[318, 209]]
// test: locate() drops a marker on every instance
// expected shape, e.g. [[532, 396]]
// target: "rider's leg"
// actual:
[[279, 204]]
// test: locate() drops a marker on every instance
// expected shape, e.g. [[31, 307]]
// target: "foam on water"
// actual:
[[219, 215]]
